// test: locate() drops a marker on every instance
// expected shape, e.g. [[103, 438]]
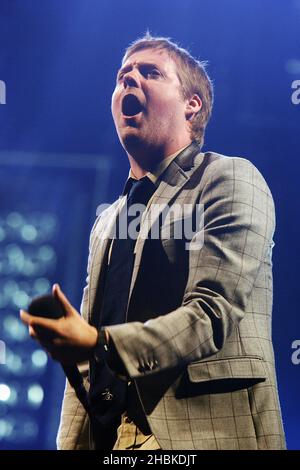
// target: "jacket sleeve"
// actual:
[[238, 228]]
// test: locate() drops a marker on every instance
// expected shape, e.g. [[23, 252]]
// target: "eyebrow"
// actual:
[[128, 67]]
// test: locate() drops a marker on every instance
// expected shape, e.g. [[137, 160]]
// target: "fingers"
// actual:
[[31, 320], [32, 333], [58, 293]]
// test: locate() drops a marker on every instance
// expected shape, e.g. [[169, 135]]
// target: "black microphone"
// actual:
[[48, 306]]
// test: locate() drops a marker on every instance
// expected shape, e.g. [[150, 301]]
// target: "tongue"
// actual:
[[131, 105]]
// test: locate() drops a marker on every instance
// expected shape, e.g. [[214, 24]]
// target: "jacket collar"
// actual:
[[184, 160]]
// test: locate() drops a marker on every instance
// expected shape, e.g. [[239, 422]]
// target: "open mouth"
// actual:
[[131, 105]]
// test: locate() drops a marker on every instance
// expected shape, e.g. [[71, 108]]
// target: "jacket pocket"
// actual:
[[230, 368], [226, 375]]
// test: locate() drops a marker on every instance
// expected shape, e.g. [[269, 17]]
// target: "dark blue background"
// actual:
[[59, 58]]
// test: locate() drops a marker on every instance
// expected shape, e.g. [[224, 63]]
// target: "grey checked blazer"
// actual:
[[198, 340]]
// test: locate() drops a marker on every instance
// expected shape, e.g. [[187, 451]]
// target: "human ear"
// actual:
[[193, 106]]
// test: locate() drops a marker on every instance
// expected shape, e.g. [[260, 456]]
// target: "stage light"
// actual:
[[2, 234], [6, 428], [46, 253], [14, 363], [41, 286], [9, 288], [31, 429], [4, 392], [14, 220], [15, 257], [13, 399], [16, 429], [23, 362], [46, 225], [30, 268], [14, 328], [35, 395], [21, 299], [3, 300], [39, 358], [29, 233]]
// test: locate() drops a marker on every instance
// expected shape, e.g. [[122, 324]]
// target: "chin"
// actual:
[[131, 141]]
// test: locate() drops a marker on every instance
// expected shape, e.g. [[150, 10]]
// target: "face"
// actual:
[[147, 105]]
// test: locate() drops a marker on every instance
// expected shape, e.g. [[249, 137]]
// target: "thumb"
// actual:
[[60, 296]]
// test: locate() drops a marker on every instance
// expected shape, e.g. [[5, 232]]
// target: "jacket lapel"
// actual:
[[101, 243]]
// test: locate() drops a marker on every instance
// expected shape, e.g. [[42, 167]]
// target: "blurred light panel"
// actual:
[[33, 242], [28, 256]]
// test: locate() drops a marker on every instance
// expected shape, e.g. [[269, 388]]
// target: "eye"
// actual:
[[154, 73], [150, 72]]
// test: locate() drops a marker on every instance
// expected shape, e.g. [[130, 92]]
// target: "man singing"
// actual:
[[175, 331]]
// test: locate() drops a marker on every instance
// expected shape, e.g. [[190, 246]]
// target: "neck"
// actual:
[[145, 160]]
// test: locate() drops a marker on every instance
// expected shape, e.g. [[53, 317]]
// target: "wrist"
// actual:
[[94, 337]]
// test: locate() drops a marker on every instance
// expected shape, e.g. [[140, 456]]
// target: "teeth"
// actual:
[[131, 105]]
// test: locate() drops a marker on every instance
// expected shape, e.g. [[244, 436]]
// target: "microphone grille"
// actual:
[[46, 306]]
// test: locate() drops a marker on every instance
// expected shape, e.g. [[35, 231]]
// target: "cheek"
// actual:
[[166, 114], [167, 105], [113, 110], [114, 103]]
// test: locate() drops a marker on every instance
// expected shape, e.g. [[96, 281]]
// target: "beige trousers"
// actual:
[[131, 438]]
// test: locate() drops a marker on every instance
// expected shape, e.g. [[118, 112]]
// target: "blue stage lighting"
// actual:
[[4, 392], [35, 395]]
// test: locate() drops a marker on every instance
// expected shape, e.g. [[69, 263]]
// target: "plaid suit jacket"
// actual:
[[198, 340]]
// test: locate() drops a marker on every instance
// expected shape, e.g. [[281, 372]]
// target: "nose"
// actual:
[[131, 79]]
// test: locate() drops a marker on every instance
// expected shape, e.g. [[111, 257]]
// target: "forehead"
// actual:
[[159, 57]]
